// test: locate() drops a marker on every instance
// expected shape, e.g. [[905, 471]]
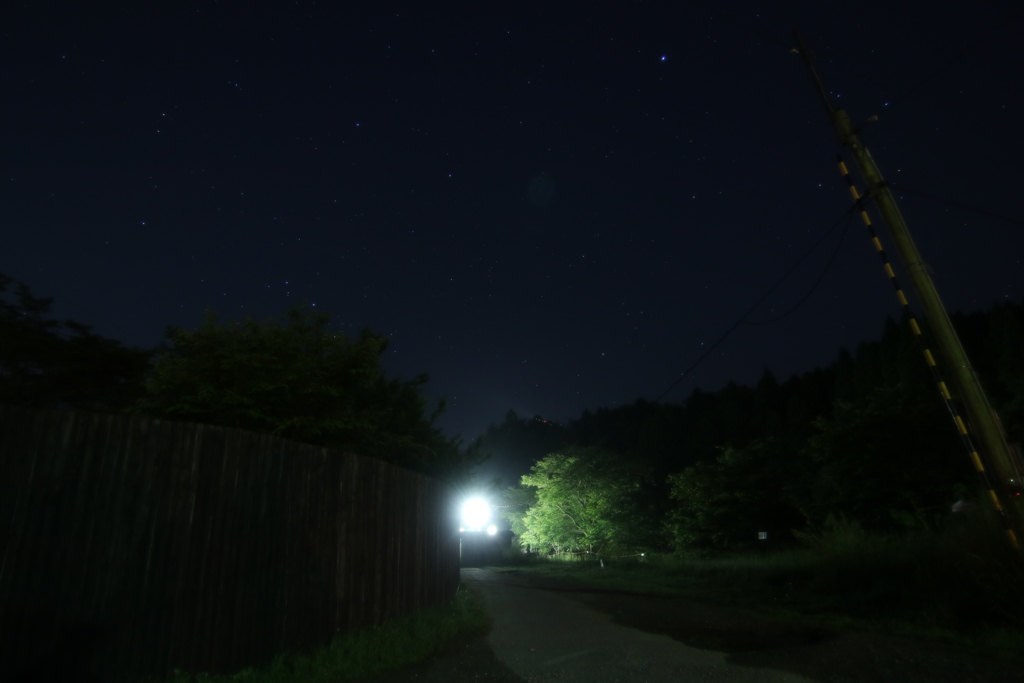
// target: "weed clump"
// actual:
[[391, 645], [958, 581]]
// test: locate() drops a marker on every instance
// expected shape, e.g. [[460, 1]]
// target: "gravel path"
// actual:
[[547, 636], [542, 635]]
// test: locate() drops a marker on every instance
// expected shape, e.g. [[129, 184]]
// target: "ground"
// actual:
[[547, 633]]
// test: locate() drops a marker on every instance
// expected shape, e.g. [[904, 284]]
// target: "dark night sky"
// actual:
[[546, 210]]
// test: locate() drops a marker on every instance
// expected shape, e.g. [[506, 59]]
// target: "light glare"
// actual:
[[475, 514]]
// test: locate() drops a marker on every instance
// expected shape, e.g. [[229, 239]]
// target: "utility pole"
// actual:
[[1003, 478]]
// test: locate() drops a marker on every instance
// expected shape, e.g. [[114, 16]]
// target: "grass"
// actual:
[[392, 645], [960, 585]]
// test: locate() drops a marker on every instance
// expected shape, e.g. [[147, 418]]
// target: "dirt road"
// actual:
[[545, 634]]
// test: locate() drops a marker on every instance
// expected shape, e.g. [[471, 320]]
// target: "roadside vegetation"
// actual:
[[829, 496], [843, 495], [961, 584], [392, 645], [294, 375]]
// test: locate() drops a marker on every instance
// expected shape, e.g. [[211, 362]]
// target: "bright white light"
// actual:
[[492, 530], [475, 514]]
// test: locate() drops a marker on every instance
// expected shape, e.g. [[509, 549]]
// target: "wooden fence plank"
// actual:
[[203, 548]]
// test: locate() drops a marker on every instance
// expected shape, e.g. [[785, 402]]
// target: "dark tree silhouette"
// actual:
[[298, 379], [47, 363]]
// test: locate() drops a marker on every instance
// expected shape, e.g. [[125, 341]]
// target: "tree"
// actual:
[[516, 444], [298, 379], [723, 504], [46, 363], [999, 362], [888, 458], [585, 501], [516, 501]]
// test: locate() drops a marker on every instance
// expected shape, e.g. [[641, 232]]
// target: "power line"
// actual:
[[742, 318], [941, 69], [814, 287], [901, 188], [730, 18]]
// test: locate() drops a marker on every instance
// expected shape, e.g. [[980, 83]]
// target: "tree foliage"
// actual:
[[298, 379], [584, 502], [866, 439], [47, 363], [883, 460], [516, 443], [516, 501], [725, 503]]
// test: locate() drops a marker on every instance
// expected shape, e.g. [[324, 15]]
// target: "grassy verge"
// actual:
[[392, 645], [961, 585]]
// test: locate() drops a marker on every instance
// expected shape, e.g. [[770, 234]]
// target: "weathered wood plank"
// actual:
[[204, 548]]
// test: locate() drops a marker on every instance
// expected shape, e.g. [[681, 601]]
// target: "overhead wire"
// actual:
[[730, 18], [920, 83], [925, 195], [941, 69], [761, 300], [817, 281], [962, 426]]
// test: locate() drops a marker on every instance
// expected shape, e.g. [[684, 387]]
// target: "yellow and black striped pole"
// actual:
[[929, 359], [984, 423]]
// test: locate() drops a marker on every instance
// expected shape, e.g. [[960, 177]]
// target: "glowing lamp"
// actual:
[[475, 514]]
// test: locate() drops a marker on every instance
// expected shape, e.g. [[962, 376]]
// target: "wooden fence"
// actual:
[[131, 546]]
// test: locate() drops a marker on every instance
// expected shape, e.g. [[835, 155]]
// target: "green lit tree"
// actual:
[[585, 502], [516, 501]]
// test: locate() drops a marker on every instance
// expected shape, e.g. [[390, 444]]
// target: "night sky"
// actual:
[[546, 210]]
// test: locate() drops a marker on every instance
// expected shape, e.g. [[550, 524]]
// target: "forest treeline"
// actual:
[[292, 376], [866, 442]]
